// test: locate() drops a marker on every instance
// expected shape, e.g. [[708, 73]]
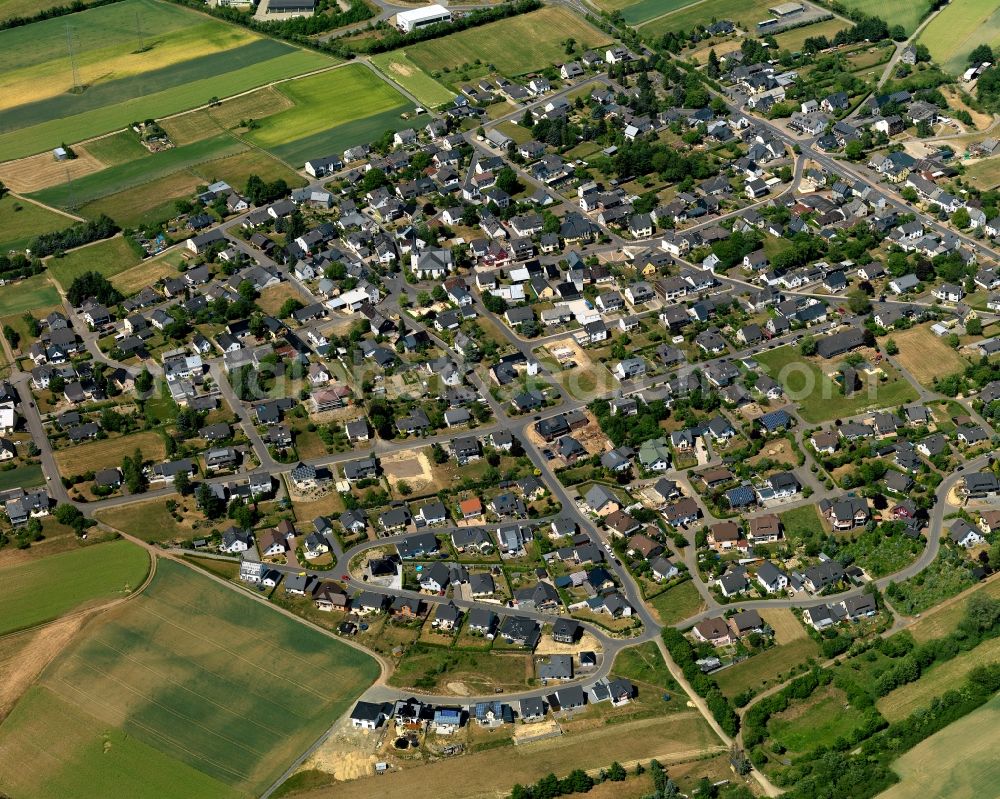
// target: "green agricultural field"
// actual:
[[32, 292], [397, 66], [216, 693], [513, 46], [943, 619], [645, 10], [86, 757], [325, 105], [138, 172], [22, 476], [109, 257], [958, 762], [21, 221], [746, 15], [25, 8], [819, 398], [961, 26], [135, 59], [44, 589], [907, 13]]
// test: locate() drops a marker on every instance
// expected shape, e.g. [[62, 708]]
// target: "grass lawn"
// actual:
[[182, 61], [907, 13], [677, 603], [21, 221], [25, 295], [109, 257], [819, 398], [926, 356], [767, 668], [218, 691], [941, 677], [108, 452], [513, 46], [44, 589], [325, 101], [816, 721], [397, 66], [23, 476], [801, 523], [957, 762], [959, 29]]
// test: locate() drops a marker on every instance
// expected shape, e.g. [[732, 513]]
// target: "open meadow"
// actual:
[[190, 690], [133, 60], [25, 295], [961, 26], [109, 257], [41, 590], [958, 762], [513, 46], [323, 107], [806, 381], [21, 221], [907, 13], [397, 66]]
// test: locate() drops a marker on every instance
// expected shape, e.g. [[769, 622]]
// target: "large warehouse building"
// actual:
[[408, 21]]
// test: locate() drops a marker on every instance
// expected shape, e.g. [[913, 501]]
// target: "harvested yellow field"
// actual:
[[41, 171]]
